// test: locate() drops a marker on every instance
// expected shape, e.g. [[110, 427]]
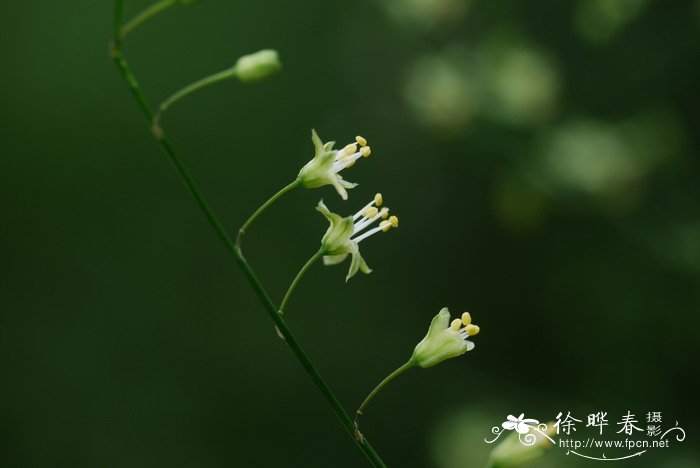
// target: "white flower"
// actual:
[[324, 168], [444, 339], [522, 426], [345, 234]]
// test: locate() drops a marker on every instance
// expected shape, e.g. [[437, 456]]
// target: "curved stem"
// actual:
[[144, 16], [321, 252], [199, 84], [235, 250], [263, 207], [382, 384]]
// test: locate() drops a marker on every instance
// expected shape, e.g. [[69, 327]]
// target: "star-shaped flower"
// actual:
[[324, 168], [345, 234]]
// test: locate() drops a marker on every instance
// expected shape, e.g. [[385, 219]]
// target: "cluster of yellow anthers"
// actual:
[[347, 156], [371, 213], [469, 328]]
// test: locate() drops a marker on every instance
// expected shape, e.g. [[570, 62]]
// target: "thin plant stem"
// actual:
[[382, 384], [263, 207], [321, 252], [235, 250], [199, 84], [144, 16]]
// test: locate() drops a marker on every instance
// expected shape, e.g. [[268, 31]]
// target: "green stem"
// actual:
[[144, 16], [235, 250], [263, 207], [306, 266], [199, 84], [376, 390]]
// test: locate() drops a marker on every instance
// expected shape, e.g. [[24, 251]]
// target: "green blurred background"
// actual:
[[542, 157]]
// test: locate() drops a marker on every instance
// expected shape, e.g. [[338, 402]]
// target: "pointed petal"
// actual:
[[440, 322], [345, 183], [364, 268], [318, 144], [339, 188], [354, 266], [323, 209]]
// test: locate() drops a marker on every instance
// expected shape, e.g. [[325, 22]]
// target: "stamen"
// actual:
[[472, 329], [344, 161], [466, 318], [370, 212], [350, 149], [366, 151], [359, 213], [361, 140], [394, 221], [456, 323], [364, 236], [378, 199], [362, 224], [385, 225]]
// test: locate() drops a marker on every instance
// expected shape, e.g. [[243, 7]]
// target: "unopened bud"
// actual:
[[257, 66]]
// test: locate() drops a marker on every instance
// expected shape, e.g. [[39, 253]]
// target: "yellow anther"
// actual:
[[361, 140], [385, 225], [456, 323], [472, 329], [385, 213], [366, 151], [394, 221], [350, 149], [370, 212], [466, 318], [378, 200]]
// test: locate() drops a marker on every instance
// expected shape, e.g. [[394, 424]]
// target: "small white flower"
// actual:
[[345, 234], [522, 426], [445, 339], [327, 163]]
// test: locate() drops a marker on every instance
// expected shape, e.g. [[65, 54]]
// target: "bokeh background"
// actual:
[[542, 157]]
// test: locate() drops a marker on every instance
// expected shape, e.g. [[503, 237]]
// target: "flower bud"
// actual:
[[256, 66]]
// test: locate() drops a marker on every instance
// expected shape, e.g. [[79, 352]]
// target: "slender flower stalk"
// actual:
[[382, 384], [444, 340], [303, 270], [130, 80], [252, 67], [263, 207], [148, 13]]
